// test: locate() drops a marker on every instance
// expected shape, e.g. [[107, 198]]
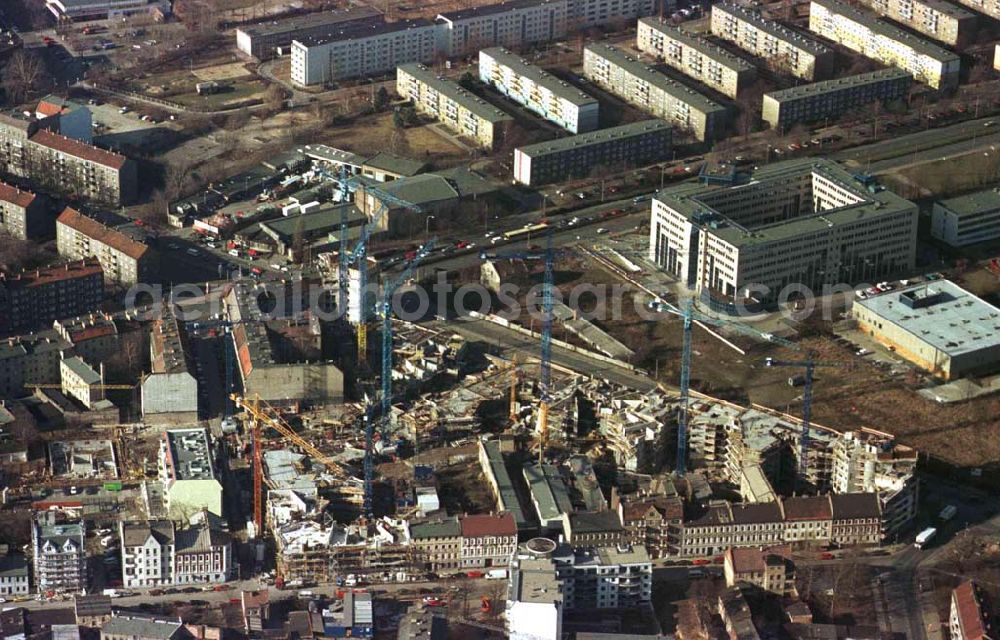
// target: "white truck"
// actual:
[[496, 574], [947, 513], [924, 537]]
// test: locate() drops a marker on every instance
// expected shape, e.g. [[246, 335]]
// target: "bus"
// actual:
[[924, 537], [947, 513], [526, 231]]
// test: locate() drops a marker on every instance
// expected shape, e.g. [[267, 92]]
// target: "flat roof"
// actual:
[[548, 490], [951, 319], [310, 21], [779, 31], [826, 86], [451, 89], [542, 78], [973, 203], [190, 453], [492, 9], [601, 136], [635, 554], [358, 31], [641, 70], [698, 43], [685, 200], [534, 580], [882, 28]]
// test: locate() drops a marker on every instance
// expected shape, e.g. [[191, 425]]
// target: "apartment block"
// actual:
[[694, 56], [32, 299], [488, 540], [464, 113], [833, 98], [125, 261], [23, 214], [170, 390], [358, 51], [936, 19], [159, 553], [593, 13], [769, 569], [802, 223], [14, 575], [534, 607], [970, 617], [83, 382], [537, 90], [437, 543], [967, 219], [59, 556], [30, 150], [263, 41], [861, 32], [783, 49], [641, 86], [505, 24]]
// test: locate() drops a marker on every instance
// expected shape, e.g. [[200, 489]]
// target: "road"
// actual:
[[933, 141]]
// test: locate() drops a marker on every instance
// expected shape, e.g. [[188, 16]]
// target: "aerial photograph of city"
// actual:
[[527, 319]]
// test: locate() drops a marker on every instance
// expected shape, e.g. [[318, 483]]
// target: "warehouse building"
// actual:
[[967, 219], [263, 41], [783, 49], [938, 326], [105, 9], [23, 214], [694, 56], [505, 24], [187, 471], [362, 50], [644, 87], [124, 261], [537, 90], [635, 145], [936, 19], [833, 98], [798, 223], [863, 33], [464, 113], [36, 298]]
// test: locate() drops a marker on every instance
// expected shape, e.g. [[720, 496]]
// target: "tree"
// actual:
[[274, 97], [467, 81], [381, 100], [22, 75], [404, 116]]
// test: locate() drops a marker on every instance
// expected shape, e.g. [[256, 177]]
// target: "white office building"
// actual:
[[537, 90], [967, 219], [802, 223]]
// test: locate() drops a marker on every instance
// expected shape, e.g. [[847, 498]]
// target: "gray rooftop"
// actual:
[[451, 89], [523, 68], [601, 136], [141, 627], [773, 28], [941, 314], [507, 494], [699, 44], [882, 28], [332, 154], [135, 534], [362, 31], [973, 203], [642, 71], [548, 491], [827, 86], [190, 453], [310, 21], [82, 370], [448, 528], [636, 554], [691, 200], [395, 164], [534, 580], [13, 566]]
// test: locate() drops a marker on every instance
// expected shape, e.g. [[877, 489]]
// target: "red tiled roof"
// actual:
[[746, 560], [90, 333], [48, 108], [16, 196], [486, 525], [78, 149], [97, 231], [48, 275], [970, 614]]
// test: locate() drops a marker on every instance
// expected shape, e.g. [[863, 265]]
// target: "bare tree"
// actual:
[[22, 75]]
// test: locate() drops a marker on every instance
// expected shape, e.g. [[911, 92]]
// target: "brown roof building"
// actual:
[[35, 298], [969, 618], [23, 214], [125, 261], [770, 569], [488, 540]]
